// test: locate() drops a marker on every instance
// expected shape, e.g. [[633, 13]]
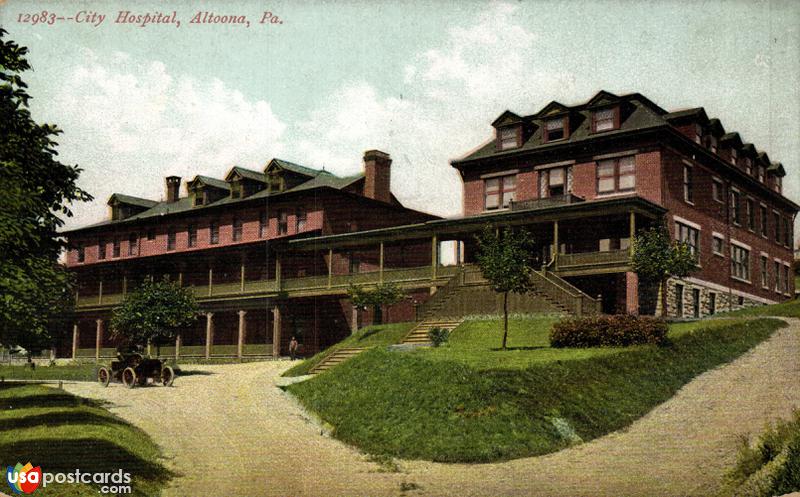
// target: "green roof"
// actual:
[[248, 174], [127, 199], [213, 182], [296, 168]]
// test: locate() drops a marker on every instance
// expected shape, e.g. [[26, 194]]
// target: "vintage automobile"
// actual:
[[134, 369]]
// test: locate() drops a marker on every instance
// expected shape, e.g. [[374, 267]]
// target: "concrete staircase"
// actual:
[[336, 358], [419, 334]]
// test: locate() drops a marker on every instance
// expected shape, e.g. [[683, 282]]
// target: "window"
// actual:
[[712, 143], [604, 119], [499, 192], [132, 239], [237, 229], [688, 190], [554, 129], [509, 138], [764, 221], [712, 303], [151, 234], [679, 300], [236, 189], [777, 219], [302, 220], [718, 191], [764, 273], [778, 184], [101, 249], [778, 282], [751, 214], [616, 175], [555, 182], [171, 239], [199, 197], [718, 245], [213, 233], [748, 166], [262, 224], [192, 235], [283, 222], [740, 262], [116, 247], [696, 302], [734, 156], [787, 232], [761, 171], [690, 236], [81, 254], [736, 213], [785, 279]]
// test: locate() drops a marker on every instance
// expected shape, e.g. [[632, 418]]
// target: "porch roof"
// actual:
[[471, 224]]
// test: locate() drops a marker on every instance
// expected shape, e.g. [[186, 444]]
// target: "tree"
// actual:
[[656, 258], [154, 313], [37, 190], [505, 260], [381, 295]]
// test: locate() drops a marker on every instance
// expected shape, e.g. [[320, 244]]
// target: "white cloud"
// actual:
[[130, 123]]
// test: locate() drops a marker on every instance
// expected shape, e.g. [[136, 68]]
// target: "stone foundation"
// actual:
[[724, 301]]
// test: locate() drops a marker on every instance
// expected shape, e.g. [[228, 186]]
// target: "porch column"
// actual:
[[177, 346], [632, 224], [98, 339], [434, 256], [380, 265], [276, 332], [180, 278], [100, 292], [242, 277], [354, 324], [555, 243], [124, 286], [278, 271], [242, 333], [210, 279], [330, 267], [76, 335], [631, 293], [315, 339], [209, 333]]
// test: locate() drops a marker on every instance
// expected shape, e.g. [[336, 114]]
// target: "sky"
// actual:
[[421, 80]]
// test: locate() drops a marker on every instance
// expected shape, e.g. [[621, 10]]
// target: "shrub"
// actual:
[[438, 336], [608, 331]]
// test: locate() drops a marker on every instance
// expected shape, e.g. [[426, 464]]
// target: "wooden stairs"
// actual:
[[419, 334], [336, 358]]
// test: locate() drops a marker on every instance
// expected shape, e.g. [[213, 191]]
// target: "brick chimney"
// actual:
[[173, 188], [377, 175]]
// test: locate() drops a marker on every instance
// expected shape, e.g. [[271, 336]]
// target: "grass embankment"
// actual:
[[789, 309], [369, 336], [73, 372], [468, 402], [771, 464], [61, 432]]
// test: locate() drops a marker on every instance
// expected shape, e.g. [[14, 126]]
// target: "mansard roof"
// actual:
[[695, 114]]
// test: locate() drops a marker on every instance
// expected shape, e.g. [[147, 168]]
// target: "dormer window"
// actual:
[[734, 156], [711, 143], [199, 198], [509, 137], [604, 120], [555, 129], [778, 184], [761, 173], [236, 189], [698, 133], [275, 181], [748, 166]]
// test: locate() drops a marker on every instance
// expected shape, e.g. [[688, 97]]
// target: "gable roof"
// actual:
[[506, 118], [291, 166], [602, 98], [552, 109], [209, 181], [246, 174], [129, 200], [732, 137], [777, 168]]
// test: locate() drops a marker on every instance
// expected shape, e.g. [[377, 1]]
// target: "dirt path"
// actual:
[[233, 433]]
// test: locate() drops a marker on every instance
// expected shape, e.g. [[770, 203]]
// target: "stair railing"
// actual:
[[564, 293], [441, 294]]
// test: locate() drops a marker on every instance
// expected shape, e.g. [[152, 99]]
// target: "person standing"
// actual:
[[293, 348]]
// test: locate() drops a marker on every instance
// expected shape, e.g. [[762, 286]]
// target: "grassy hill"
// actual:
[[470, 402]]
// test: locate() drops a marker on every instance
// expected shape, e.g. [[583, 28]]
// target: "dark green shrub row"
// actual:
[[608, 331]]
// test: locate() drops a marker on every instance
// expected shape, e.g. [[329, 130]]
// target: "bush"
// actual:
[[608, 331], [438, 336]]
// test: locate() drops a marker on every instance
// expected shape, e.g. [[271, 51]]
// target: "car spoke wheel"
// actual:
[[103, 376], [167, 376], [129, 377]]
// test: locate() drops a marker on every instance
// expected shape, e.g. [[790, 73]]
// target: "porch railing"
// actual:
[[542, 203], [607, 258]]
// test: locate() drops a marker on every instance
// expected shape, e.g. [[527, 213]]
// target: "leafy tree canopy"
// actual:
[[37, 192], [505, 259], [154, 312], [656, 257]]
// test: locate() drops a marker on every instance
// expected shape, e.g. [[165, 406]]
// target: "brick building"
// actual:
[[223, 239]]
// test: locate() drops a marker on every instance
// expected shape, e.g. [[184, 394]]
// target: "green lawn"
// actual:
[[75, 372], [61, 432], [369, 336], [790, 309], [466, 402]]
